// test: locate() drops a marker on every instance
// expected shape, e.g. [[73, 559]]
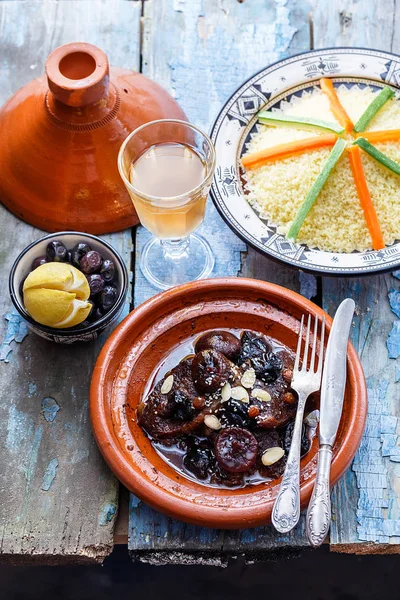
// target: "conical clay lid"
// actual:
[[60, 138]]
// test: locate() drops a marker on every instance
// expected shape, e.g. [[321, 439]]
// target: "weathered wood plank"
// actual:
[[201, 51], [58, 498], [366, 506]]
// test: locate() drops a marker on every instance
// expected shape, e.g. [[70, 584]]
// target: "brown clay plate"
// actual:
[[130, 358]]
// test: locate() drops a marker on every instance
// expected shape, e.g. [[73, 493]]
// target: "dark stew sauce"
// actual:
[[224, 415]]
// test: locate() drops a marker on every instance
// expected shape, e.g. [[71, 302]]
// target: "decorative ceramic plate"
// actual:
[[237, 121]]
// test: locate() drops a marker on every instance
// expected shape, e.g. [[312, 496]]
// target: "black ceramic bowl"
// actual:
[[22, 267]]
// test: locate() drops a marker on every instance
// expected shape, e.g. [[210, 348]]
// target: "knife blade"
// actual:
[[334, 374], [332, 393]]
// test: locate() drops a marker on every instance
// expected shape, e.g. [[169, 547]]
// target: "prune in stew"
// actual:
[[234, 412], [56, 252], [181, 408], [236, 449], [199, 460], [210, 370], [269, 369], [287, 440], [255, 349], [222, 341], [40, 260]]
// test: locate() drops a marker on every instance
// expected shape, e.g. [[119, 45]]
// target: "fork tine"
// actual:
[[296, 362], [314, 345], [304, 365], [321, 351]]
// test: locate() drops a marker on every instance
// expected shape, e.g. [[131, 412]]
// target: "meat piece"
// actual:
[[171, 414], [210, 370], [222, 341], [236, 449]]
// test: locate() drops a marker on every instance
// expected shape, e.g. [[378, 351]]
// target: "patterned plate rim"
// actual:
[[388, 264]]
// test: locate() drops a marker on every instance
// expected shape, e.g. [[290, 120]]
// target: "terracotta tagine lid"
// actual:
[[60, 137]]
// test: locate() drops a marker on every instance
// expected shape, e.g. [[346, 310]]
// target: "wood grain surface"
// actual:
[[58, 499]]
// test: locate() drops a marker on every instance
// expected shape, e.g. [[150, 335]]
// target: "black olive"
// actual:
[[96, 283], [56, 252], [78, 252], [90, 262], [107, 270], [40, 260], [108, 298]]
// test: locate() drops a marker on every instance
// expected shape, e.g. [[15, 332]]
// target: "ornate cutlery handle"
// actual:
[[319, 510], [286, 511]]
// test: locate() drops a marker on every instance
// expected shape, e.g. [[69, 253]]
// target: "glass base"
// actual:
[[166, 263]]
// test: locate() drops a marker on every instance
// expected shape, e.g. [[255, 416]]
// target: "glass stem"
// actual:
[[175, 248]]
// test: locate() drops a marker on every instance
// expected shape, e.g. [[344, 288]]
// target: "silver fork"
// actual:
[[286, 511]]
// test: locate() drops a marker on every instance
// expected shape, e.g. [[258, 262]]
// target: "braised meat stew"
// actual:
[[224, 414]]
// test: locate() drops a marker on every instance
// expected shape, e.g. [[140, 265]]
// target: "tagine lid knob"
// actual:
[[78, 74]]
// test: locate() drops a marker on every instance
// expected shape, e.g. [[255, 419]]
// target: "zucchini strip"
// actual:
[[372, 109], [316, 188], [275, 118], [378, 155]]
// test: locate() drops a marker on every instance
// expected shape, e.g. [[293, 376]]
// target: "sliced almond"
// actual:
[[167, 385], [239, 393], [261, 394], [212, 422], [272, 455], [226, 392], [248, 378]]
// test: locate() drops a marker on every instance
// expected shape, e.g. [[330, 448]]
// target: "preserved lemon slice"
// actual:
[[59, 276], [55, 295], [79, 312], [48, 307]]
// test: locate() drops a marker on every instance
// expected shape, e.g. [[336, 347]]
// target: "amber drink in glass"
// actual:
[[167, 167]]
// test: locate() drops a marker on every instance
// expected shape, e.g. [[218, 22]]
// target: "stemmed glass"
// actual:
[[167, 167]]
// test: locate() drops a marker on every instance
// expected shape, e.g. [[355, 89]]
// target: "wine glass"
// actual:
[[167, 167]]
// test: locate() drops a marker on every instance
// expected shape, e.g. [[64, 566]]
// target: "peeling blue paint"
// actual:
[[308, 285], [29, 468], [32, 389], [394, 301], [107, 514], [50, 409], [19, 428], [393, 341], [16, 332], [49, 474], [396, 274]]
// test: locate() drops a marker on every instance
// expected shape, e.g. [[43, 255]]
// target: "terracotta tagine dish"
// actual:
[[60, 139], [140, 356]]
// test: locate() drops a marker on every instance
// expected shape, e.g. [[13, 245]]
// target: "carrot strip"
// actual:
[[365, 198], [390, 135], [336, 107], [257, 159]]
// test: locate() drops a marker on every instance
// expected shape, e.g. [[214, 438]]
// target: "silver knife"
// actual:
[[332, 394]]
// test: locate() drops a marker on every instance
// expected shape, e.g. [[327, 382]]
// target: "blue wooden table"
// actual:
[[59, 501]]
